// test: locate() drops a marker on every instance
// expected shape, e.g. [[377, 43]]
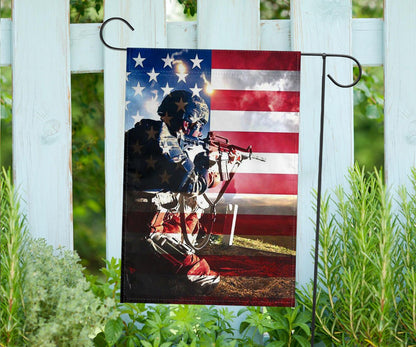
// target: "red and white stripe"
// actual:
[[256, 102]]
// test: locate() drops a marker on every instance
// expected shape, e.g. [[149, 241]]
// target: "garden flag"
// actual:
[[210, 177]]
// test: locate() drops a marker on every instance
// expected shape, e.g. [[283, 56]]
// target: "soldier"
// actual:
[[164, 176]]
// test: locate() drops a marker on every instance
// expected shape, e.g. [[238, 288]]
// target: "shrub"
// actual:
[[159, 325], [406, 264], [367, 283], [60, 309], [44, 298], [12, 242]]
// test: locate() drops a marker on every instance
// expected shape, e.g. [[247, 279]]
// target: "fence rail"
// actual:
[[87, 51], [43, 53]]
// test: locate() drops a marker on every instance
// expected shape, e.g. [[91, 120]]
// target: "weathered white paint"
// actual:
[[237, 24], [400, 101], [5, 42], [148, 17], [275, 35], [87, 50], [367, 41], [182, 34], [42, 117], [321, 26]]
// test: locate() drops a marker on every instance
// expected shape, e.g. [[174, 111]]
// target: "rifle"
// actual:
[[225, 150], [226, 155]]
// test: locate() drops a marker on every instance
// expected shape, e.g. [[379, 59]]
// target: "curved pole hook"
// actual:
[[360, 71], [102, 28], [324, 55]]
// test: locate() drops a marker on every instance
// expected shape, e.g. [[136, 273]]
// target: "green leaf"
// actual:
[[243, 326], [241, 311], [303, 317], [372, 112], [304, 327], [302, 341], [100, 341], [277, 344], [146, 343], [280, 322], [113, 330], [130, 342]]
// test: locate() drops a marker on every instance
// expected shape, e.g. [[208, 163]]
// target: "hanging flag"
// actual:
[[210, 182]]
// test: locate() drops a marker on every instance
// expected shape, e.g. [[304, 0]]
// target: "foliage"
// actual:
[[88, 168], [269, 9], [44, 298], [189, 7], [6, 116], [367, 8], [275, 9], [159, 325], [5, 8], [60, 308], [368, 94], [406, 263], [284, 326], [86, 11], [13, 237], [369, 117], [367, 286]]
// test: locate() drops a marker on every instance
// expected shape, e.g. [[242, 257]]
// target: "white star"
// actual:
[[138, 89], [127, 103], [137, 118], [196, 62], [139, 60], [181, 76], [195, 90], [153, 75], [165, 148], [127, 76], [166, 90], [168, 61]]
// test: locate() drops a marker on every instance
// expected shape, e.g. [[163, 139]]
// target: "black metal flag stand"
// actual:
[[321, 141]]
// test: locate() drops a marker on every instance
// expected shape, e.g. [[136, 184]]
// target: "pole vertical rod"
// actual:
[[318, 199]]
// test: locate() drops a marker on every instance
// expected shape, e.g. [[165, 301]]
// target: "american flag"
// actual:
[[253, 98]]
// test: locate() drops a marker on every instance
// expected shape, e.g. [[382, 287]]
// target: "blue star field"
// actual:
[[152, 73]]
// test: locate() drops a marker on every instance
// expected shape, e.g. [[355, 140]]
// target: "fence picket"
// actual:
[[42, 117], [400, 102], [237, 24], [321, 26], [148, 17]]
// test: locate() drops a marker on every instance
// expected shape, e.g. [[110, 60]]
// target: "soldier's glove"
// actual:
[[201, 163]]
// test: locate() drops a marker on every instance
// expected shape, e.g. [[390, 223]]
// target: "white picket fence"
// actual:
[[44, 49]]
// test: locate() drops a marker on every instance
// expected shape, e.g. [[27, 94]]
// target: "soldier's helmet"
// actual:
[[182, 111]]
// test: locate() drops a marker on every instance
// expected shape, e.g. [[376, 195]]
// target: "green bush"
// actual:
[[367, 260], [60, 310], [366, 287], [45, 298], [160, 325], [406, 265], [12, 266], [281, 326]]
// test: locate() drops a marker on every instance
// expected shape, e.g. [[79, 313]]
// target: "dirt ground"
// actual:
[[254, 287]]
